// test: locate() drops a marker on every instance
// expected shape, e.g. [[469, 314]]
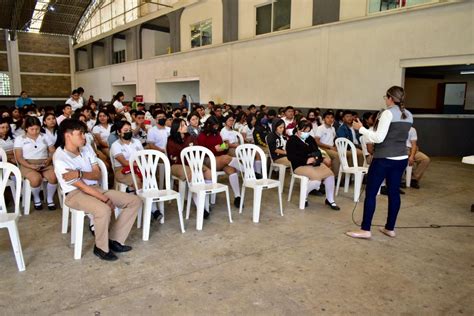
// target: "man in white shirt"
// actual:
[[416, 158], [158, 135], [139, 128], [67, 112], [78, 173], [74, 100], [289, 119], [325, 135]]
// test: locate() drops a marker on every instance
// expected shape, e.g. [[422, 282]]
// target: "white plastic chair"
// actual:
[[246, 155], [303, 187], [277, 167], [194, 157], [118, 186], [365, 151], [10, 220], [147, 162], [10, 182], [358, 172]]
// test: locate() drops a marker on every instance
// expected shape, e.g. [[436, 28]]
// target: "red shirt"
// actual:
[[210, 141], [174, 149]]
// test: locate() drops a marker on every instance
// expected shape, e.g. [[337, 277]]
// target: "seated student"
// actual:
[[247, 130], [252, 109], [74, 101], [261, 131], [313, 117], [289, 119], [178, 140], [240, 121], [121, 150], [212, 140], [7, 140], [193, 127], [34, 153], [23, 100], [117, 102], [347, 131], [87, 111], [50, 127], [276, 141], [325, 136], [76, 168], [229, 136], [141, 108], [158, 135], [67, 112], [101, 132], [416, 158], [17, 123], [217, 112], [139, 128], [272, 116], [113, 136], [306, 160], [366, 118]]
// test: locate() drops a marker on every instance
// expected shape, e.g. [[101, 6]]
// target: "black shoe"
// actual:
[[92, 230], [118, 247], [107, 256], [128, 190], [306, 204], [38, 207], [237, 202], [258, 176], [51, 206], [401, 192], [332, 205], [157, 215], [316, 192], [414, 184], [383, 190], [206, 214]]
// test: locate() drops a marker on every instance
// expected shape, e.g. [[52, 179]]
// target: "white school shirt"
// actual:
[[7, 145], [33, 149], [229, 135], [50, 136], [90, 124], [103, 132], [64, 160], [326, 134], [412, 136], [74, 104], [118, 105], [158, 137], [60, 118], [119, 148], [354, 137], [248, 133], [142, 134], [17, 132]]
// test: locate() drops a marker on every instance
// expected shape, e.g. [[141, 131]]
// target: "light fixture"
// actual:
[[467, 72], [51, 8]]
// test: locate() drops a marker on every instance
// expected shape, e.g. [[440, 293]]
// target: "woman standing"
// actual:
[[34, 153], [389, 160], [306, 160]]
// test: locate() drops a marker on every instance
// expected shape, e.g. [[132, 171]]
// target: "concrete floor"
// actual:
[[301, 263]]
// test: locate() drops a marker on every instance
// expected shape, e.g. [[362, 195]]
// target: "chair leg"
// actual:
[[270, 170], [408, 171], [79, 229], [182, 191], [16, 245], [292, 182], [213, 199], [228, 204], [139, 217], [242, 197], [188, 204], [27, 198], [201, 196], [180, 213], [303, 191], [147, 219], [347, 179], [357, 185], [280, 193], [65, 219], [161, 170], [338, 182], [281, 177], [162, 210], [257, 201], [73, 226]]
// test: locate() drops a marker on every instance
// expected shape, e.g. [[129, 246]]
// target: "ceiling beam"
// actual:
[[16, 18]]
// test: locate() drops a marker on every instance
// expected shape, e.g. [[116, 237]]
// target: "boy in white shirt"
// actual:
[[158, 135], [416, 158], [76, 168], [67, 112], [325, 136]]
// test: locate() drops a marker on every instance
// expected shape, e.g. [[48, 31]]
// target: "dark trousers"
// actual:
[[391, 171]]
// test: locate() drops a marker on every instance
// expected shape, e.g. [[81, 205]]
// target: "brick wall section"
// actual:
[[47, 86], [46, 64], [3, 43], [3, 62], [43, 43]]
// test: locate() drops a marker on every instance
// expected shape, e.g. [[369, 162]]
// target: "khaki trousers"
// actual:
[[128, 203], [178, 171], [283, 161], [314, 173], [126, 178], [422, 162], [360, 158], [335, 162]]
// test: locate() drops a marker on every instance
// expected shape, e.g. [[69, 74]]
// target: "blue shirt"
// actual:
[[21, 102]]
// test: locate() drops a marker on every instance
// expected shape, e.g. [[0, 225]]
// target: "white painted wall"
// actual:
[[128, 90], [342, 65], [352, 9], [98, 53], [82, 62], [154, 43], [203, 10], [172, 91]]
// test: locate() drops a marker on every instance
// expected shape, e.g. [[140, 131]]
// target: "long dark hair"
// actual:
[[117, 96], [43, 128], [249, 120], [109, 121], [209, 125], [32, 121], [398, 96], [9, 134], [118, 125], [175, 135]]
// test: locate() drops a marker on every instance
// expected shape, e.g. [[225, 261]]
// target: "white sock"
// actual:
[[51, 188], [234, 183], [36, 195], [329, 184], [208, 196], [313, 185], [234, 163], [258, 166]]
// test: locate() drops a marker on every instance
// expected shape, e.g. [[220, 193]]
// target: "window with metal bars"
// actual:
[[4, 84]]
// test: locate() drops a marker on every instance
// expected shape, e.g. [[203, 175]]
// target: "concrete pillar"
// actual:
[[14, 65], [90, 56], [230, 25], [108, 50], [175, 30], [72, 64]]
